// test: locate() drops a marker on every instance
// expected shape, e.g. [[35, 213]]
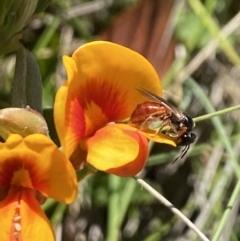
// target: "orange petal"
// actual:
[[121, 151], [160, 138], [108, 75], [69, 119], [50, 172], [102, 78], [33, 224]]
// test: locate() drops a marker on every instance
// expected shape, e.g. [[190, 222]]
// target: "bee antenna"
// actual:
[[183, 153]]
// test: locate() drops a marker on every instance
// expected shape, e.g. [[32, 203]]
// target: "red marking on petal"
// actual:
[[76, 118], [106, 95], [9, 167]]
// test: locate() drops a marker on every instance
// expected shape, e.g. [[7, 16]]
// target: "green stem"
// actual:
[[113, 212], [157, 159], [48, 204], [216, 122], [227, 212], [58, 213], [217, 113], [170, 206], [126, 197]]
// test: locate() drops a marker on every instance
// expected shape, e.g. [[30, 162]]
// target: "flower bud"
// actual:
[[22, 121]]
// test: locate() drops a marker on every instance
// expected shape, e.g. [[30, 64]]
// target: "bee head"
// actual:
[[186, 139], [188, 122]]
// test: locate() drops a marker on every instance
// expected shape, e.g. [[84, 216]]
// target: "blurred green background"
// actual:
[[193, 38]]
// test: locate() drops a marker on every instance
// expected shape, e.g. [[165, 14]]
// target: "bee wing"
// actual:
[[157, 98]]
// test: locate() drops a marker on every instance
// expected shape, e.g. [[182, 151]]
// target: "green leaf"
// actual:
[[27, 82]]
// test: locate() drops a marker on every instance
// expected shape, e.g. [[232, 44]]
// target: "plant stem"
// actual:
[[169, 205], [227, 212], [125, 200], [217, 113], [197, 90], [112, 222]]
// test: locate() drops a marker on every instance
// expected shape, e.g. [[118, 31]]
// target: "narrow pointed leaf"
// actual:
[[27, 83]]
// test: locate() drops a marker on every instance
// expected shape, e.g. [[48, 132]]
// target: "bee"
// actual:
[[160, 116]]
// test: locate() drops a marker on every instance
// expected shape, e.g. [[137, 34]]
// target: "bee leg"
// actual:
[[182, 131], [166, 122], [144, 125], [151, 118], [172, 132]]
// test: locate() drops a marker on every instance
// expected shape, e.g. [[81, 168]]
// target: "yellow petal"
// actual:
[[117, 150], [160, 138], [48, 169]]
